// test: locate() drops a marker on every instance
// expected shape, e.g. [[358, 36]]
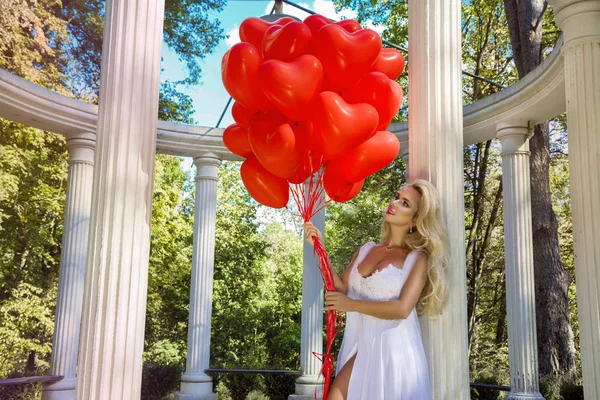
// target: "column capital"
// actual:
[[207, 166], [579, 19], [514, 136], [82, 147]]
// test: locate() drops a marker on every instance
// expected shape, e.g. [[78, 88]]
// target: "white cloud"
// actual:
[[233, 36], [377, 28], [326, 8], [323, 7]]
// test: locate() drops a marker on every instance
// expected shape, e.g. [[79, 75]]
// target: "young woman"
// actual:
[[381, 291]]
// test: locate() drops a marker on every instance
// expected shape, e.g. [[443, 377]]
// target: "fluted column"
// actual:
[[435, 134], [580, 22], [73, 254], [112, 330], [312, 321], [518, 254], [195, 384]]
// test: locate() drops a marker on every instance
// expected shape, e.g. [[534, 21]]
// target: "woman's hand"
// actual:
[[310, 231], [338, 302]]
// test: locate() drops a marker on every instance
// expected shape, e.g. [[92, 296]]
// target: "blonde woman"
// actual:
[[381, 291]]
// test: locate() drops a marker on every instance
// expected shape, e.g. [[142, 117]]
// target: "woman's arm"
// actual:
[[393, 309], [340, 283]]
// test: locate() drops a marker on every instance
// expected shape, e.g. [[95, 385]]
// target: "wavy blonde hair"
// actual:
[[430, 237]]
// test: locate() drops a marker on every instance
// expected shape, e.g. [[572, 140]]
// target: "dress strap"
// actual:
[[362, 253], [410, 261]]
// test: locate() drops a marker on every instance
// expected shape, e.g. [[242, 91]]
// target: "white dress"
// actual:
[[390, 363]]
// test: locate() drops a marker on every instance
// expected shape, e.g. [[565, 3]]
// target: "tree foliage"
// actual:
[[258, 260], [32, 36]]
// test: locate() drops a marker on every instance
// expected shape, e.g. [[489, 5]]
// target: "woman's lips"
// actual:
[[389, 211]]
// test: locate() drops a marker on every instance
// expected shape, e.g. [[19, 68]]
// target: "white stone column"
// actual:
[[195, 384], [435, 134], [73, 254], [112, 330], [580, 22], [518, 254], [312, 321]]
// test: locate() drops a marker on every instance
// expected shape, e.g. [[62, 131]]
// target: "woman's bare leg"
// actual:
[[339, 388]]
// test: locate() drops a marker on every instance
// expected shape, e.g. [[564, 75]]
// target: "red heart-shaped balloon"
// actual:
[[390, 62], [349, 24], [291, 87], [286, 43], [265, 123], [340, 126], [252, 30], [275, 148], [242, 114], [309, 151], [379, 91], [337, 187], [239, 71], [317, 21], [235, 138], [263, 186], [370, 156], [346, 56]]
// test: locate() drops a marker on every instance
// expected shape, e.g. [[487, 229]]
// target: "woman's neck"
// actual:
[[397, 237]]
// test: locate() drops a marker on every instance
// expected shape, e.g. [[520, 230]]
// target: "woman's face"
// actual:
[[403, 207]]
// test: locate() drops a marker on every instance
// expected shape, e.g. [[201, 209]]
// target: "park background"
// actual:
[[258, 255]]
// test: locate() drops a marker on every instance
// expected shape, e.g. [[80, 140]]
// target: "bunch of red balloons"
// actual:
[[309, 95]]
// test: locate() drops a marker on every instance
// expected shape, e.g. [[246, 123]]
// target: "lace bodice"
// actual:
[[382, 285]]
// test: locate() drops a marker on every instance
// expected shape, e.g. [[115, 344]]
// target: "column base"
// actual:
[[524, 396], [306, 386], [196, 387], [61, 390], [195, 396]]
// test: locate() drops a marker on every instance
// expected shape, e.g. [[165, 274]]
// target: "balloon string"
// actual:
[[311, 199], [333, 321]]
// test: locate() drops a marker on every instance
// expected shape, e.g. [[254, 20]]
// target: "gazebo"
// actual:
[[99, 325]]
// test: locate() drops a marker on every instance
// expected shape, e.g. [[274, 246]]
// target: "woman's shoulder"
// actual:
[[368, 245], [364, 247], [419, 256]]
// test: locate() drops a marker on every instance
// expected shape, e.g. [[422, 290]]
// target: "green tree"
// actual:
[[32, 36], [189, 30], [33, 172], [257, 293], [33, 166]]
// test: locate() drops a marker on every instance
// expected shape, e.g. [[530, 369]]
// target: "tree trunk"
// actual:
[[475, 247], [556, 346], [501, 320], [556, 349]]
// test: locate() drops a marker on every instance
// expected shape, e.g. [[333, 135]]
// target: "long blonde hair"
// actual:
[[430, 237]]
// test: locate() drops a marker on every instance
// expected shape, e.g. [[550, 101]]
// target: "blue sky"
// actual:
[[210, 97]]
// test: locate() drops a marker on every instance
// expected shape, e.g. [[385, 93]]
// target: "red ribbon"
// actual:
[[310, 200]]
